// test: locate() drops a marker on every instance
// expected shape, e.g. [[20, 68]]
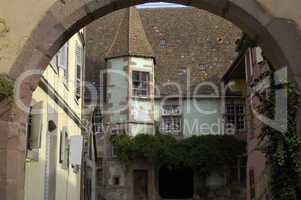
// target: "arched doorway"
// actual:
[[279, 38], [176, 183]]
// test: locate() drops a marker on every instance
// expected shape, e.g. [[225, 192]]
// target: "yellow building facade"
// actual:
[[54, 146]]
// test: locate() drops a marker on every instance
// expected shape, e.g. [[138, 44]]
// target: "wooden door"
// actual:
[[140, 185]]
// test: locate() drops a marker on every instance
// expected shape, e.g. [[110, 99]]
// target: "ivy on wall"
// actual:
[[281, 149], [6, 87], [204, 154]]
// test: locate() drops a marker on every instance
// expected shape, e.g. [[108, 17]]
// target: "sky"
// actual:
[[159, 5]]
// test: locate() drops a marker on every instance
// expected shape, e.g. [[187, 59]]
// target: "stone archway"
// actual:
[[58, 20]]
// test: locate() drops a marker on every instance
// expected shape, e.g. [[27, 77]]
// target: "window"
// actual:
[[237, 171], [171, 124], [163, 43], [97, 121], [64, 149], [235, 115], [78, 65], [34, 126], [140, 83], [116, 180], [203, 66], [62, 60], [171, 109], [171, 118]]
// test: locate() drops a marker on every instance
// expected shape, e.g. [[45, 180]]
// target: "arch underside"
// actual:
[[279, 38]]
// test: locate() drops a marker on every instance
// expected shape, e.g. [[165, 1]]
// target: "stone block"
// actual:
[[248, 16], [31, 58], [97, 9], [217, 7], [288, 38], [73, 15]]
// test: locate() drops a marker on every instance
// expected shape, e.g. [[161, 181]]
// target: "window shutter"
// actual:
[[100, 87], [36, 126], [64, 149], [78, 64], [60, 58], [63, 57], [78, 53]]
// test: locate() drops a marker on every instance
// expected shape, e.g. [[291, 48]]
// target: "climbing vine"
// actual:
[[6, 87], [203, 154], [281, 148]]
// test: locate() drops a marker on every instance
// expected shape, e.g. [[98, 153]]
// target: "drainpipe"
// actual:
[[93, 167]]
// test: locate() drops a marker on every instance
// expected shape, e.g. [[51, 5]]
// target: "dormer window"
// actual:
[[203, 66], [163, 43], [141, 83]]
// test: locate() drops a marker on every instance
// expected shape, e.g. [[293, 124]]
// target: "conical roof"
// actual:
[[130, 39]]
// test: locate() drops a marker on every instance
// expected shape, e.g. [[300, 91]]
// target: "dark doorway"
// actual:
[[176, 184], [140, 185]]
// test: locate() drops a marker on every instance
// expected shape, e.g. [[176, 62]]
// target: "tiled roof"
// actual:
[[130, 38], [184, 40]]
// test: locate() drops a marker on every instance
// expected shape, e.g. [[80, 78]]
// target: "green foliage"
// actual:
[[203, 154], [6, 87], [280, 148]]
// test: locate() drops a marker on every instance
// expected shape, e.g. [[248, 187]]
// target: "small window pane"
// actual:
[[140, 83], [235, 115]]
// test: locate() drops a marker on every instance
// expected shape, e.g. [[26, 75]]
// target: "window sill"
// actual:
[[142, 98], [171, 114]]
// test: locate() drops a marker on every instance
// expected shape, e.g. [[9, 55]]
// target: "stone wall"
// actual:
[[32, 31]]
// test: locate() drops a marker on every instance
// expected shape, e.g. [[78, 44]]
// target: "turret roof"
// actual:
[[130, 39]]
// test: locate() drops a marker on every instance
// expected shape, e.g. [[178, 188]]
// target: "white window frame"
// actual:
[[143, 85], [171, 109], [235, 114], [78, 66], [171, 127], [63, 60]]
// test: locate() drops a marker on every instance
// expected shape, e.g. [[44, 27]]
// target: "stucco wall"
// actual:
[[67, 182], [117, 90], [200, 116], [19, 18], [141, 110], [55, 77]]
